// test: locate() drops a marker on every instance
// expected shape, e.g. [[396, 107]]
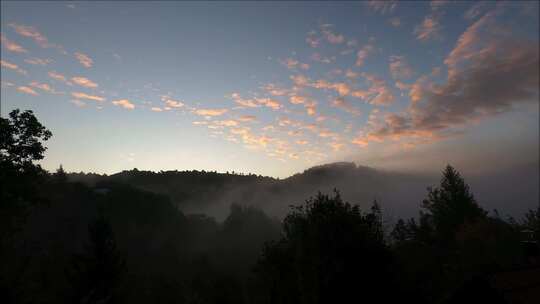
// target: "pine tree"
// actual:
[[450, 205]]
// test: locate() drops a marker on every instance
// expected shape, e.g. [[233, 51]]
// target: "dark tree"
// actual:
[[401, 232], [450, 205], [21, 137], [96, 274], [532, 223], [329, 252], [60, 175]]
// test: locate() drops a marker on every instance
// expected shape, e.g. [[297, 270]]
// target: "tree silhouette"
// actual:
[[450, 205], [21, 137], [96, 273], [60, 175], [531, 222], [329, 252]]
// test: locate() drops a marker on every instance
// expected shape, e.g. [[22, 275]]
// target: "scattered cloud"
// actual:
[[38, 61], [382, 7], [32, 33], [363, 53], [79, 95], [171, 103], [475, 10], [78, 103], [270, 103], [312, 39], [428, 30], [272, 89], [248, 103], [156, 109], [43, 86], [399, 68], [247, 118], [489, 72], [85, 82], [293, 64], [11, 46], [27, 90], [84, 59], [12, 66], [124, 103], [319, 58], [438, 4], [330, 36], [377, 94], [210, 112], [341, 103], [59, 77], [395, 21]]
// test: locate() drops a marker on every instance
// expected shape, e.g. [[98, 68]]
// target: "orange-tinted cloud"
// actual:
[[11, 46], [399, 68], [334, 38], [171, 103], [489, 72], [85, 82], [428, 29], [274, 90], [79, 95], [124, 103], [343, 104], [211, 112], [27, 90], [270, 103], [12, 66], [248, 103], [247, 118], [363, 53], [378, 93], [32, 33], [43, 86], [293, 64], [84, 59], [38, 61]]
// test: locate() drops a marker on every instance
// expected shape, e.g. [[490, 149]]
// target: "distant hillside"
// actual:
[[212, 192], [399, 193]]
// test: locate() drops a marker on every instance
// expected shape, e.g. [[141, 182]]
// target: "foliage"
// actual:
[[326, 245], [97, 273], [21, 137], [450, 205]]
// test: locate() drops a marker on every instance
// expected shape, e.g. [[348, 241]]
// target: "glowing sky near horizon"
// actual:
[[273, 88]]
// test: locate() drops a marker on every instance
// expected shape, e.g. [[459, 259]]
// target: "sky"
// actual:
[[273, 88]]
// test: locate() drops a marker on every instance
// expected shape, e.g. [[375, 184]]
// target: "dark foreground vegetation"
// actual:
[[111, 242]]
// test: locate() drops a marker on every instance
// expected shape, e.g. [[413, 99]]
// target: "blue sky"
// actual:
[[273, 88]]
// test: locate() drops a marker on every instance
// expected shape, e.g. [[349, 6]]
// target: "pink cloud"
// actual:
[[27, 90], [12, 66], [11, 46], [38, 61], [399, 67], [32, 33], [428, 29], [79, 95], [363, 53], [85, 82], [84, 59], [210, 112], [124, 103]]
